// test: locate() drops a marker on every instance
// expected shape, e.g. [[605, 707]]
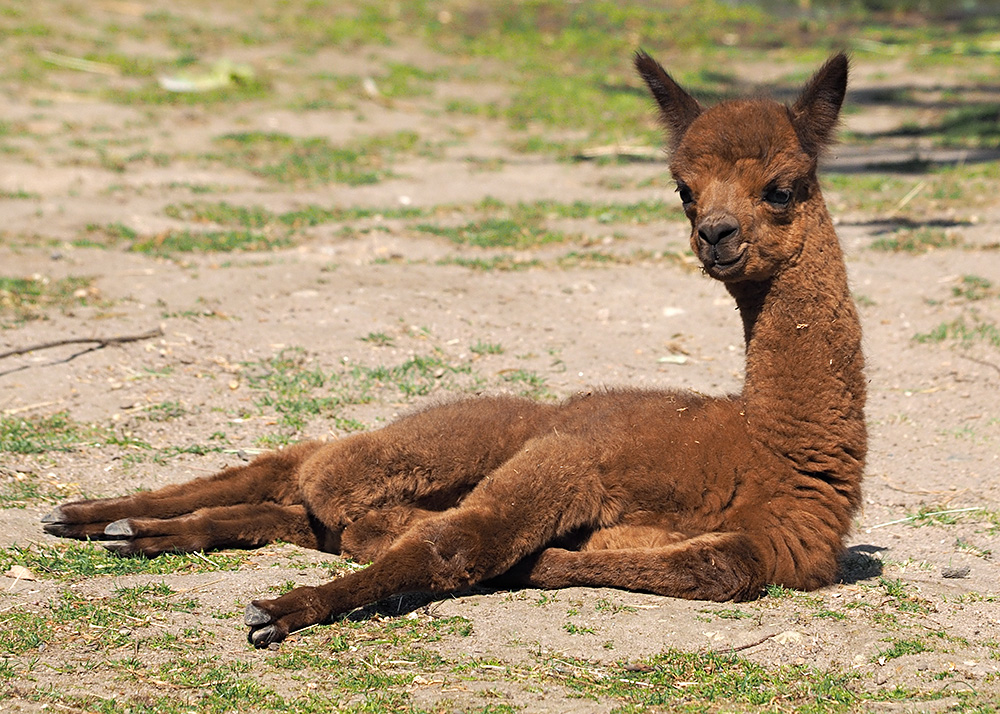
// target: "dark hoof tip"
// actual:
[[117, 547], [119, 529], [255, 616], [56, 529], [268, 637], [54, 516]]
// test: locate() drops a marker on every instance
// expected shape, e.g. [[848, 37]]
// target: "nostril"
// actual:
[[725, 233], [713, 232]]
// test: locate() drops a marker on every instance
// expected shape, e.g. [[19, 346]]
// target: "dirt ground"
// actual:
[[643, 321]]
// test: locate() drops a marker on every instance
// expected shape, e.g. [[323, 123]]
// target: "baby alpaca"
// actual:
[[660, 491]]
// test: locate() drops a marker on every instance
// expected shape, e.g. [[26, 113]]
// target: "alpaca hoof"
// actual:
[[256, 616], [265, 637], [53, 516], [58, 529], [119, 529], [264, 632]]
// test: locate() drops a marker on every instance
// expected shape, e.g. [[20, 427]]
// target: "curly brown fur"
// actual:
[[667, 492]]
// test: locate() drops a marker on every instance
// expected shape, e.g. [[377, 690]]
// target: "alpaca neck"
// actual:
[[805, 385]]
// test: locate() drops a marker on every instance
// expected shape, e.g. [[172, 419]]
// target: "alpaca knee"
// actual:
[[452, 550]]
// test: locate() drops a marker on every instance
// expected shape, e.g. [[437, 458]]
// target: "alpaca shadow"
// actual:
[[402, 605], [860, 562]]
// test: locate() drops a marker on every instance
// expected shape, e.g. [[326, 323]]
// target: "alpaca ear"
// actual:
[[677, 108], [815, 113]]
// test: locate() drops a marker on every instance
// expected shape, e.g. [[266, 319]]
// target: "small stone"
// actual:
[[962, 572]]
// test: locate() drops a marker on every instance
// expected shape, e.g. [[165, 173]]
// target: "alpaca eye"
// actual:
[[685, 194], [778, 196]]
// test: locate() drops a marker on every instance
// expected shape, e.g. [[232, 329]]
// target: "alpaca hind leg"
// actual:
[[241, 526], [429, 460], [270, 477], [549, 489], [713, 566]]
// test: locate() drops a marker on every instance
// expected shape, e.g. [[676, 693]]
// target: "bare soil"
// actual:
[[645, 321]]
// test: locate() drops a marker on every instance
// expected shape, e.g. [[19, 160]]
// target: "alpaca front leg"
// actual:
[[271, 621], [440, 554], [270, 477]]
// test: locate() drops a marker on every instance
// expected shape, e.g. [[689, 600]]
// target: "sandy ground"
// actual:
[[933, 415]]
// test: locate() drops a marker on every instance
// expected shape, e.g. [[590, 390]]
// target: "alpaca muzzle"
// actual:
[[719, 243]]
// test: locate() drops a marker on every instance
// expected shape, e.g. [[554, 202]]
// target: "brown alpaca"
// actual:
[[667, 492]]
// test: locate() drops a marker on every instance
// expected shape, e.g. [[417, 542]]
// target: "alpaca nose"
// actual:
[[718, 227]]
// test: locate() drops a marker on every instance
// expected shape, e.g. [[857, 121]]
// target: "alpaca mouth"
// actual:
[[722, 269]]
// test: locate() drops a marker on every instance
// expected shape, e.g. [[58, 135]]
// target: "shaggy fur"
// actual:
[[666, 492]]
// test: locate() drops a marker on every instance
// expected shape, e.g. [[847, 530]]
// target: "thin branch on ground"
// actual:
[[748, 645], [983, 362], [98, 342]]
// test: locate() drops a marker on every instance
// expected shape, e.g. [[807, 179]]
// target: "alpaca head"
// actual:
[[746, 169]]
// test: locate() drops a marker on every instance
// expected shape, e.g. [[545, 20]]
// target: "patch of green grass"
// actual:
[[74, 560], [22, 490], [379, 339], [38, 435], [974, 287], [223, 213], [298, 391], [527, 383], [716, 682], [288, 383], [524, 225], [19, 193], [974, 125], [568, 58], [290, 160], [962, 187], [24, 630], [960, 330], [574, 629], [164, 411], [934, 515], [502, 263], [312, 215], [406, 80], [902, 598], [487, 348], [185, 241], [916, 241], [607, 605], [496, 233], [899, 648], [28, 298]]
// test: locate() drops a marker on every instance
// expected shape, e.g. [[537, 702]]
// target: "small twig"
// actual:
[[923, 515], [981, 361], [748, 645], [910, 196], [98, 341], [199, 555], [80, 64], [29, 407]]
